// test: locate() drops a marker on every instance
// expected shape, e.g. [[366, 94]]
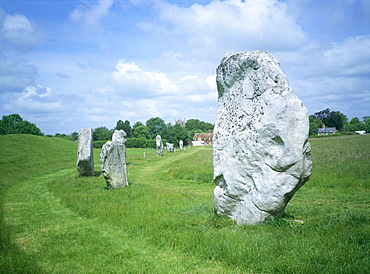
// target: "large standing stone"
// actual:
[[113, 161], [169, 147], [85, 153], [159, 145], [261, 151], [181, 144]]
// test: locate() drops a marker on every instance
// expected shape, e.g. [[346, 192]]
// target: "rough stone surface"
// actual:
[[159, 145], [169, 147], [113, 161], [85, 153], [261, 151], [181, 145]]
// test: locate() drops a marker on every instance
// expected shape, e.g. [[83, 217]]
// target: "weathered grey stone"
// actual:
[[169, 147], [159, 145], [181, 145], [261, 151], [113, 161], [85, 153]]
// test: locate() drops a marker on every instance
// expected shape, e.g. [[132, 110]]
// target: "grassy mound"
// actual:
[[54, 221]]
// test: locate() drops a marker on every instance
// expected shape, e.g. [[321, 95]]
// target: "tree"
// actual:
[[366, 119], [8, 123], [25, 127], [174, 134], [322, 115], [102, 134], [315, 124], [74, 136], [119, 125], [331, 118], [140, 131], [196, 124], [356, 125], [125, 126], [14, 124], [155, 126], [354, 121]]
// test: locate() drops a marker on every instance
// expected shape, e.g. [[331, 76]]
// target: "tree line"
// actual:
[[138, 135], [338, 120], [142, 134], [14, 124]]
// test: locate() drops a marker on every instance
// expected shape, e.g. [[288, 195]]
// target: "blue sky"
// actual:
[[73, 64]]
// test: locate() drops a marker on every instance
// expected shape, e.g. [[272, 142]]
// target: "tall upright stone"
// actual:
[[181, 145], [85, 153], [113, 161], [159, 145], [261, 153], [170, 147]]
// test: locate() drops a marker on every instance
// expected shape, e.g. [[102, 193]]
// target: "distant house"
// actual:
[[326, 130], [202, 139]]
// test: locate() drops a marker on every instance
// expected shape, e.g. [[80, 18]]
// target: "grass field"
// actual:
[[53, 221]]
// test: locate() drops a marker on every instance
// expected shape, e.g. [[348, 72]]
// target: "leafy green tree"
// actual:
[[2, 129], [125, 126], [141, 131], [354, 121], [322, 115], [74, 136], [174, 134], [25, 127], [8, 123], [155, 126], [14, 124], [366, 119], [331, 118], [315, 124], [138, 123], [196, 124], [119, 125], [102, 134], [356, 125]]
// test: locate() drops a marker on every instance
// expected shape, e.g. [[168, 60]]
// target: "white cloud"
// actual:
[[134, 81], [136, 94], [335, 76], [38, 99], [231, 25], [17, 31], [351, 57], [90, 16], [130, 80]]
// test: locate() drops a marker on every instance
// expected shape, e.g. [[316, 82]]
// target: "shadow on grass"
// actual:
[[98, 173], [12, 258]]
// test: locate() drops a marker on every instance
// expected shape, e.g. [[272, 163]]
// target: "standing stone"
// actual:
[[181, 144], [169, 147], [159, 145], [85, 153], [261, 153], [113, 161]]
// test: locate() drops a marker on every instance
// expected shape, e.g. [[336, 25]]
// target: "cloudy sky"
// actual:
[[67, 64]]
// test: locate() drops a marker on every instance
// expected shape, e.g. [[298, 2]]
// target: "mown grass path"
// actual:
[[53, 233]]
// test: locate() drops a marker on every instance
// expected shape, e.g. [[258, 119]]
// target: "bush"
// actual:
[[99, 144], [142, 142], [136, 142], [133, 143]]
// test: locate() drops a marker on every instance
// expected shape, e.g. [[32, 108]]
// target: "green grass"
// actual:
[[54, 221]]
